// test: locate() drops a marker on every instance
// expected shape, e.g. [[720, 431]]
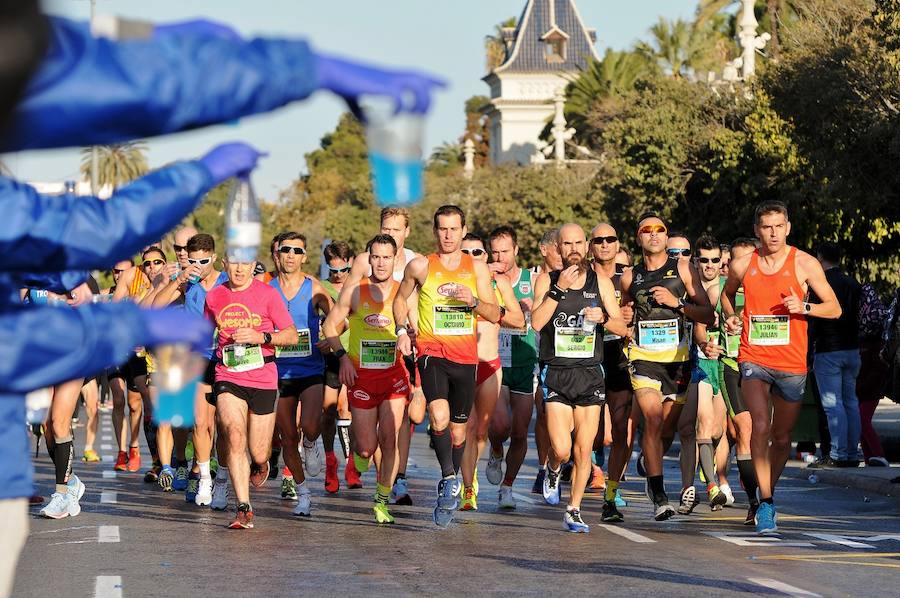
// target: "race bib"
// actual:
[[303, 348], [242, 358], [770, 330], [505, 348], [658, 335], [573, 343], [732, 344], [453, 320], [377, 355]]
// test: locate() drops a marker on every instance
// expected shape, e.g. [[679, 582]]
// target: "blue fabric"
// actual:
[[152, 87], [15, 460], [303, 312], [195, 300], [836, 373]]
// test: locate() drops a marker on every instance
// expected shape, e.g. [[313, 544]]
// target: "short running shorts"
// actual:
[[294, 387], [575, 387], [669, 379], [730, 383], [370, 391], [332, 371], [261, 401], [710, 367], [486, 369], [519, 379], [790, 386], [455, 382]]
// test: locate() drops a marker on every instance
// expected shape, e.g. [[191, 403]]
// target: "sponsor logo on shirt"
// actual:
[[361, 395], [377, 320], [237, 315]]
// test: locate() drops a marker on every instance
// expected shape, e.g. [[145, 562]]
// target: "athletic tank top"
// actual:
[[195, 301], [518, 347], [139, 287], [334, 293], [372, 345], [447, 325], [713, 333], [408, 255], [731, 342], [660, 333], [613, 346], [773, 337], [564, 342], [303, 359]]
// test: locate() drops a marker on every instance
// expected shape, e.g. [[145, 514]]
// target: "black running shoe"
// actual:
[[751, 514], [610, 513]]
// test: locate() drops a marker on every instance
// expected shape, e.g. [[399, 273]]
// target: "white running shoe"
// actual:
[[75, 492], [312, 458], [551, 486], [58, 507], [205, 492], [494, 471], [400, 489], [304, 502], [219, 500], [505, 499], [729, 495]]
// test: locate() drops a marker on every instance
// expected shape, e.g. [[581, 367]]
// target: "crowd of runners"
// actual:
[[698, 339]]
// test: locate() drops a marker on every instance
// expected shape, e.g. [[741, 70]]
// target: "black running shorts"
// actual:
[[455, 382], [575, 387], [261, 401]]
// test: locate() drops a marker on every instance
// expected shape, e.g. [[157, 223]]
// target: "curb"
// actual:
[[836, 477]]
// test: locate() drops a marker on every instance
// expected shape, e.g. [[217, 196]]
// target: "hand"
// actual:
[[230, 159], [664, 296], [595, 314], [794, 304], [324, 346], [526, 304], [711, 349], [79, 295], [404, 345], [497, 268], [198, 27], [567, 278], [410, 90], [169, 270], [348, 372], [247, 336], [464, 294], [628, 311], [733, 324], [191, 270], [168, 326]]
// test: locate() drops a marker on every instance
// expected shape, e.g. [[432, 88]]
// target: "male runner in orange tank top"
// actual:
[[772, 357]]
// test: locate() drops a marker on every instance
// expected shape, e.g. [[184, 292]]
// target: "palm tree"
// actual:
[[448, 153], [495, 46], [679, 47], [771, 14], [118, 164]]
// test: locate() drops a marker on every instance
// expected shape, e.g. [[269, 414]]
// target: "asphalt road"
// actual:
[[132, 539]]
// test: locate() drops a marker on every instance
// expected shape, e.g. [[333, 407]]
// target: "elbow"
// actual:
[[838, 310]]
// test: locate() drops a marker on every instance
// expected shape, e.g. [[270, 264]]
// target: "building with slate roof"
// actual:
[[549, 45]]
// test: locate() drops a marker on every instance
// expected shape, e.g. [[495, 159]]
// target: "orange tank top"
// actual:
[[446, 325], [773, 337]]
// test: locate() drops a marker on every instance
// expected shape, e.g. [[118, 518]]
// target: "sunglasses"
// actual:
[[652, 228], [117, 271], [148, 263], [179, 248], [289, 249], [679, 252], [201, 262], [608, 240], [725, 264], [709, 260], [474, 252], [339, 270]]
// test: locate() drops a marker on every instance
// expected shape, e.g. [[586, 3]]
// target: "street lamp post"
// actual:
[[750, 42]]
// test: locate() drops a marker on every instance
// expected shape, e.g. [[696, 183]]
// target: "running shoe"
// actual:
[[551, 487], [400, 493], [361, 463], [90, 456], [312, 458], [304, 502], [205, 492], [166, 477], [610, 513], [58, 507], [766, 519], [566, 471], [121, 462], [447, 502], [74, 493], [152, 475], [243, 519], [470, 499], [573, 521], [382, 515], [878, 462], [717, 499], [134, 461], [180, 482], [351, 474], [538, 486], [729, 495], [273, 463], [663, 510], [597, 480], [751, 513], [332, 483], [494, 471], [620, 502], [475, 486], [193, 485], [219, 501], [505, 499], [639, 466], [259, 474], [288, 488], [688, 501]]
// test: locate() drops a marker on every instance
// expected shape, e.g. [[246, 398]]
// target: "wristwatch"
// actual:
[[475, 303], [681, 304], [806, 307], [340, 352], [267, 338]]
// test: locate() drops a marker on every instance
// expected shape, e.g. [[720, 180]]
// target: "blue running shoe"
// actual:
[[574, 523], [180, 482], [620, 502], [193, 484], [766, 519]]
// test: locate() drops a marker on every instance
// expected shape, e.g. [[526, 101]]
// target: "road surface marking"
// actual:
[[107, 437], [848, 541], [109, 474], [524, 498], [107, 459], [108, 533], [756, 541], [105, 447], [628, 535], [108, 586], [782, 587], [833, 559], [109, 497]]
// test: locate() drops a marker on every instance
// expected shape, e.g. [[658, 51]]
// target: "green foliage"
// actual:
[[117, 164]]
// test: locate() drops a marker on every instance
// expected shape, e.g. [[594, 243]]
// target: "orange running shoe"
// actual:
[[134, 459], [351, 474], [332, 483], [121, 462], [243, 519], [598, 481]]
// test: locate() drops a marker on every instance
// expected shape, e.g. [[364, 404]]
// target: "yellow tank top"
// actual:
[[373, 340], [447, 325], [140, 286]]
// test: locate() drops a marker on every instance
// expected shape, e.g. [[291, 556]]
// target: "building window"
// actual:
[[555, 48]]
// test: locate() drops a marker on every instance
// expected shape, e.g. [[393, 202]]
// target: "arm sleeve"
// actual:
[[152, 87], [44, 346], [52, 233]]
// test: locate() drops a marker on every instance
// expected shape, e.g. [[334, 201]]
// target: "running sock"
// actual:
[[63, 463], [382, 494], [707, 460], [458, 451], [400, 476], [204, 470], [657, 488], [343, 430], [51, 450], [507, 481], [611, 487], [769, 500], [442, 450], [748, 476]]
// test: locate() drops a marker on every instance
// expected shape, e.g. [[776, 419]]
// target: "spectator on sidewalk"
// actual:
[[873, 373]]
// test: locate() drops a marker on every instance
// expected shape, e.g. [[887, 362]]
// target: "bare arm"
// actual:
[[700, 309], [615, 323], [486, 308], [413, 275], [829, 308], [514, 318], [544, 306], [124, 284], [335, 322]]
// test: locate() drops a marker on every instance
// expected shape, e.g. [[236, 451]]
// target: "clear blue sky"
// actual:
[[444, 37]]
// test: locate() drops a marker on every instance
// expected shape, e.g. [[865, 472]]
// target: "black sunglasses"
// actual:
[[147, 263], [608, 240], [180, 248], [294, 250], [709, 260], [475, 252], [338, 270], [117, 271], [677, 252]]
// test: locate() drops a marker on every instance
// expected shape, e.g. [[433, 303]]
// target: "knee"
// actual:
[[761, 430], [653, 423]]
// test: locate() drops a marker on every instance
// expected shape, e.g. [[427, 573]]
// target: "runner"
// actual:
[[488, 375], [773, 351], [301, 370], [371, 369], [518, 354], [573, 308], [252, 321], [452, 289], [659, 350]]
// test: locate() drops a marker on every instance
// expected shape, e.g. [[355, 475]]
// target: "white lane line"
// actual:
[[108, 586], [524, 498], [109, 474], [107, 459], [109, 497], [754, 540], [628, 534], [848, 541], [106, 437], [782, 587], [108, 533], [105, 447]]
